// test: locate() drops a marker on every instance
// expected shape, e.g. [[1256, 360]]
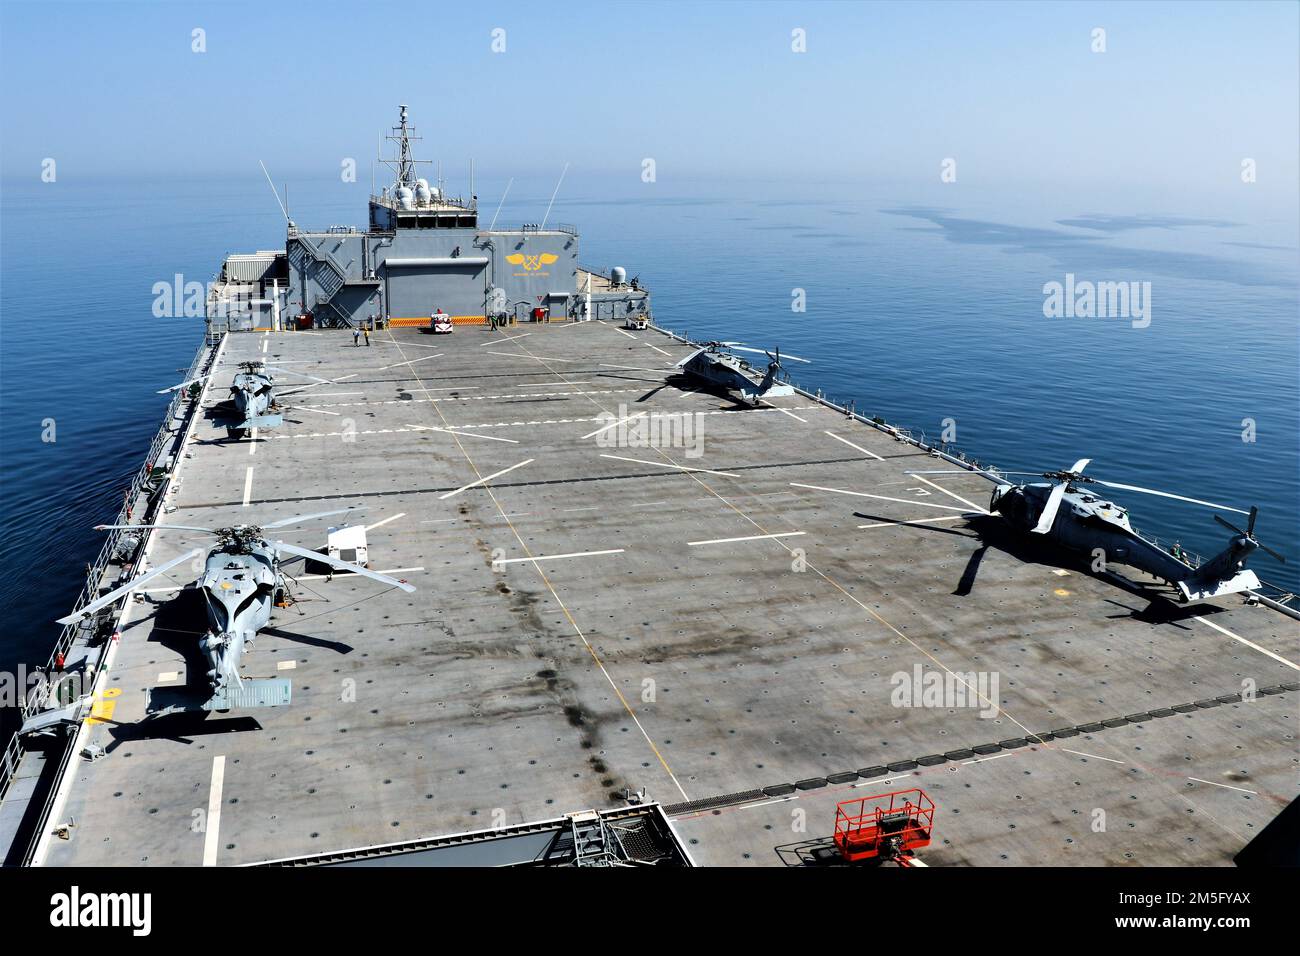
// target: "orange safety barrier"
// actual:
[[409, 323]]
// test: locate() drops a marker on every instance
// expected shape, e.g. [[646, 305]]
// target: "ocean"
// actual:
[[922, 306]]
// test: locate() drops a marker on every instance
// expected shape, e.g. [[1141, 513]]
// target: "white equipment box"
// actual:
[[349, 544]]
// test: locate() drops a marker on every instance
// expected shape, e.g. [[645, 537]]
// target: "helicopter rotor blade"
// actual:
[[186, 384], [285, 522], [115, 595], [1166, 494], [1053, 504], [1078, 466], [343, 565], [1267, 549], [779, 356], [1231, 527]]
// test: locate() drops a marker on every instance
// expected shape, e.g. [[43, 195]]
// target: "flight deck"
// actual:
[[718, 618]]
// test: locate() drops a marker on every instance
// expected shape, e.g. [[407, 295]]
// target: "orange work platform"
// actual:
[[886, 826]]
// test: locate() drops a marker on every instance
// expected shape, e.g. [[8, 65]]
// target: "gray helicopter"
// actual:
[[1063, 511], [252, 392], [714, 363], [242, 581]]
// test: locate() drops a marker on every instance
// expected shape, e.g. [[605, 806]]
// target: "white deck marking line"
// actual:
[[541, 358], [630, 368], [895, 524], [951, 494], [869, 454], [248, 485], [335, 394], [265, 342], [621, 332], [423, 358], [863, 494], [302, 388], [655, 347], [994, 757], [577, 629], [785, 411], [556, 557], [751, 537], [660, 464], [1237, 637], [1224, 786], [380, 524], [499, 341], [308, 408], [286, 665], [449, 431], [621, 421], [213, 829], [1080, 753], [252, 445], [485, 479], [549, 385]]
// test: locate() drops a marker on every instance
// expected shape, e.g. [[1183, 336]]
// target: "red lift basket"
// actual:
[[885, 826]]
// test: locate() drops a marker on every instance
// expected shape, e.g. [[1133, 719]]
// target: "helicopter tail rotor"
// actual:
[[1249, 533]]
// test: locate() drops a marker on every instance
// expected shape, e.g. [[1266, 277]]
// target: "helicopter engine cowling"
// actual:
[[997, 500]]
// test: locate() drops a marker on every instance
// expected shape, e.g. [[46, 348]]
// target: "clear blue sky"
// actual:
[[1184, 91]]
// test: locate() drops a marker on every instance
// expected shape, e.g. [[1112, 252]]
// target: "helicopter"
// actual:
[[714, 363], [242, 581], [1062, 510], [253, 394]]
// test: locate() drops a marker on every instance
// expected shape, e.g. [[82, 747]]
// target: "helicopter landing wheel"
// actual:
[[238, 434]]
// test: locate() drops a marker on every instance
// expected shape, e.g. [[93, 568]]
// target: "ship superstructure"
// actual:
[[422, 250]]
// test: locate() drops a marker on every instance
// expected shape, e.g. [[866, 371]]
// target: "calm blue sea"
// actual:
[[921, 306]]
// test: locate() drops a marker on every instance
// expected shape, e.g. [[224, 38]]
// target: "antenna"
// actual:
[[404, 165], [553, 195], [273, 189], [502, 202]]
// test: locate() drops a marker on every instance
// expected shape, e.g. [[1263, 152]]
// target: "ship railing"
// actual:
[[9, 760], [444, 203], [536, 227], [1169, 547], [96, 572], [180, 411], [1279, 595]]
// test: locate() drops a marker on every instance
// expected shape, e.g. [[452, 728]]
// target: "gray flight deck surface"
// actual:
[[689, 668]]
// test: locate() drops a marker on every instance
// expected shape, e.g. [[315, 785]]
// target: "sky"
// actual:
[[884, 92]]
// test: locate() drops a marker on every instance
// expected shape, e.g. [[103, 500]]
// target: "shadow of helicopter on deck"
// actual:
[[993, 532]]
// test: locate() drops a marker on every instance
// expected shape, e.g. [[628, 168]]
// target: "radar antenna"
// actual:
[[404, 165]]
